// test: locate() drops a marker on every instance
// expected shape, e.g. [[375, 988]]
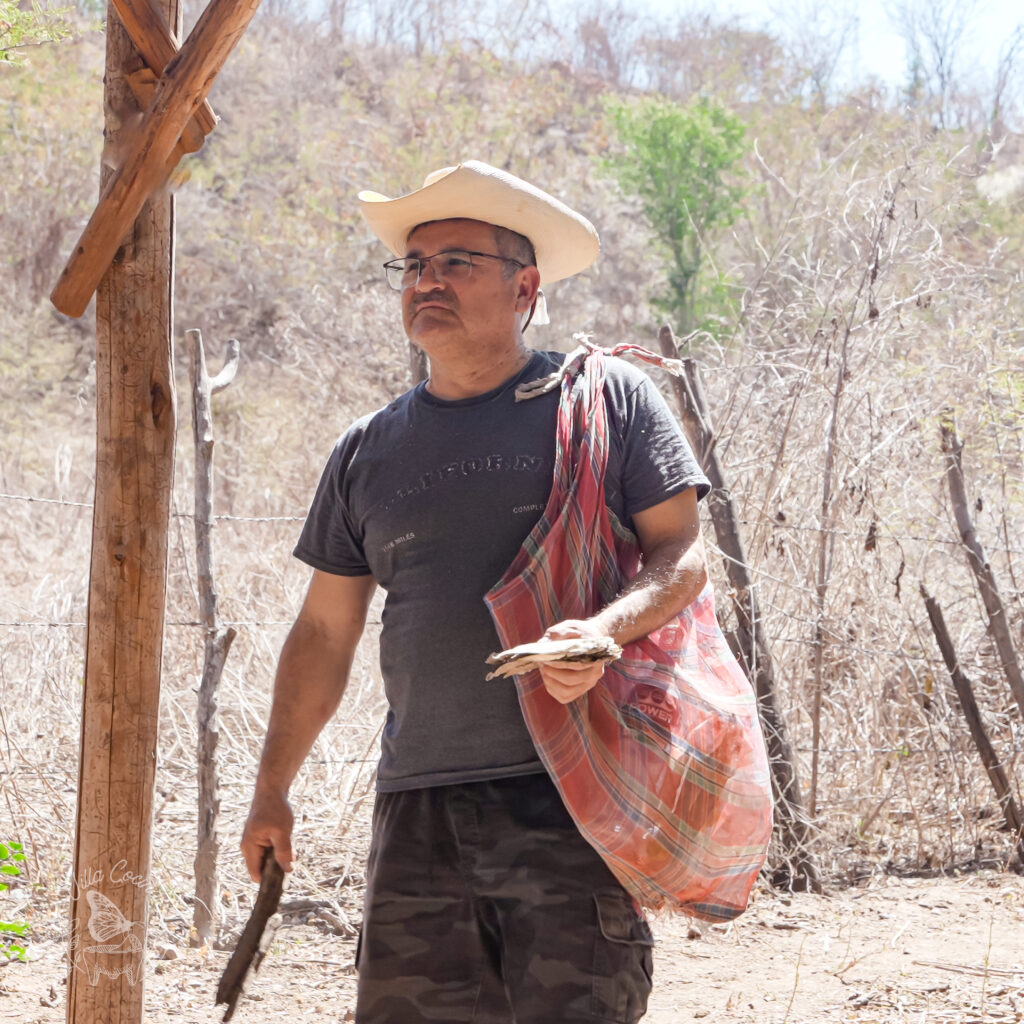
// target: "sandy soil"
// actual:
[[935, 950]]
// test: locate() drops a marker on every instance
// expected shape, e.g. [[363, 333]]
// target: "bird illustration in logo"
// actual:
[[105, 923]]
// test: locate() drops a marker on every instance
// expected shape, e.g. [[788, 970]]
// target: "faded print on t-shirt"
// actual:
[[434, 499]]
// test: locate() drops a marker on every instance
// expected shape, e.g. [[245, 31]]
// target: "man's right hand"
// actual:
[[269, 825], [311, 676]]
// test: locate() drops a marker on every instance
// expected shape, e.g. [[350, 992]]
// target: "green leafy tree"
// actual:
[[12, 933], [680, 161], [30, 27]]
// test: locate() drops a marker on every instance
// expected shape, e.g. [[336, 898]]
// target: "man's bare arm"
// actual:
[[673, 575], [312, 673]]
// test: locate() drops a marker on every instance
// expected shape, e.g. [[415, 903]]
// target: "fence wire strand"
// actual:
[[772, 524]]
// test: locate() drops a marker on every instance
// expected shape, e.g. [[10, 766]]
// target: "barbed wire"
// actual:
[[178, 515], [250, 519], [903, 749], [767, 521], [43, 624], [46, 501], [975, 666], [237, 622], [775, 524], [833, 640]]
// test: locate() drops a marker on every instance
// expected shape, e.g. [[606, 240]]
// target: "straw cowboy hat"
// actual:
[[565, 242]]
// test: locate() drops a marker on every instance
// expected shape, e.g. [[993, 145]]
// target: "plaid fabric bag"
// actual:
[[662, 764]]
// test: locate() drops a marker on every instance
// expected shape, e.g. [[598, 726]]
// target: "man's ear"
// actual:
[[529, 283]]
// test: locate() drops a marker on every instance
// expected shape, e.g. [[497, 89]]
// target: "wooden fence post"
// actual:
[[216, 640], [791, 820], [998, 623], [135, 426], [964, 690]]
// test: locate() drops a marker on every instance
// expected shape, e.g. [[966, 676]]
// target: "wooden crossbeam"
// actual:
[[143, 82], [157, 47], [178, 95]]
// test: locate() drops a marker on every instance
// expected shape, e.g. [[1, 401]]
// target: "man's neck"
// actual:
[[452, 381]]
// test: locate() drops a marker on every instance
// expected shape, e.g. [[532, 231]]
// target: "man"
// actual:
[[483, 901]]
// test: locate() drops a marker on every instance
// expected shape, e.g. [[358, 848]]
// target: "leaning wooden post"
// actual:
[[998, 623], [216, 640], [135, 424], [996, 774], [790, 817]]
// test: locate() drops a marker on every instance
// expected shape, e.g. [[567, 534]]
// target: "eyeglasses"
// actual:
[[450, 265]]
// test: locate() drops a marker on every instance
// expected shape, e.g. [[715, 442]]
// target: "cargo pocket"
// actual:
[[622, 959]]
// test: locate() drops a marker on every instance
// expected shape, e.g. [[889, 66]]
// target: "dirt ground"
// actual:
[[894, 950]]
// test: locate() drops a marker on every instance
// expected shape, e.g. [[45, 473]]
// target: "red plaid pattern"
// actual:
[[662, 765]]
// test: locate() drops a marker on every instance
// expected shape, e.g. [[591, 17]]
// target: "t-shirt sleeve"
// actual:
[[329, 540], [657, 461]]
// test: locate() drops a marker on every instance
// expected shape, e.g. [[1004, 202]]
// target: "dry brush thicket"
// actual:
[[873, 285]]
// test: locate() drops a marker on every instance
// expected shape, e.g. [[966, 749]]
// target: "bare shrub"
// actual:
[[863, 230]]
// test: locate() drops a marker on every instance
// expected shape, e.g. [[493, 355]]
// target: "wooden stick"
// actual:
[[964, 690], [217, 640], [982, 971], [247, 952], [998, 623], [157, 47], [186, 81], [752, 645]]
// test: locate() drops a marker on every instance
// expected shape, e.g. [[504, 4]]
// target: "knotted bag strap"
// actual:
[[580, 410], [542, 385]]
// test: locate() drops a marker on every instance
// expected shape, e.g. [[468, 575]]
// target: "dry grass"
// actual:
[[873, 287]]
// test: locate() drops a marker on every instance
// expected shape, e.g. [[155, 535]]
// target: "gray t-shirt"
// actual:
[[434, 499]]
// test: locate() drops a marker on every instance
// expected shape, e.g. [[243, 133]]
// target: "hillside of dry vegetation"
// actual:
[[873, 281]]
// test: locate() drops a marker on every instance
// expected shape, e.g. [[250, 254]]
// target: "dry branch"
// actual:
[[185, 83], [217, 641], [964, 690], [861, 300], [247, 953], [752, 643], [998, 625], [979, 971]]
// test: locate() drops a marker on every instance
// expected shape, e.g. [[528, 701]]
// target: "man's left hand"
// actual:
[[568, 681], [673, 574]]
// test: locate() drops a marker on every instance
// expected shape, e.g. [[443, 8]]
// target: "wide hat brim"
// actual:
[[564, 241]]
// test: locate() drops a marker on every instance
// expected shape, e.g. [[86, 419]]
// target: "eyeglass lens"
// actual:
[[445, 266]]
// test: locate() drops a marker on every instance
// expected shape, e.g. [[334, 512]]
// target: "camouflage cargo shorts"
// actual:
[[485, 904]]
